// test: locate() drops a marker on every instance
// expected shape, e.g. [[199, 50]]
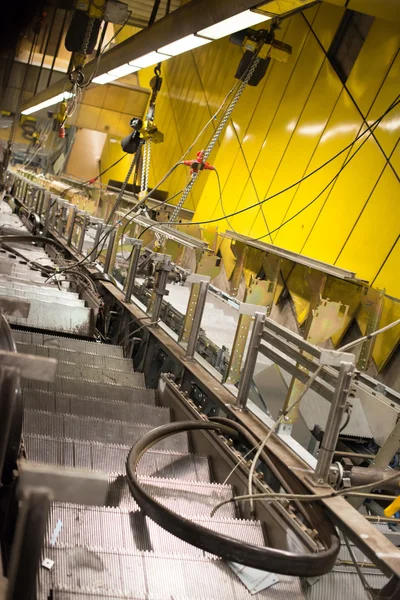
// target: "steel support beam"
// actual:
[[190, 18]]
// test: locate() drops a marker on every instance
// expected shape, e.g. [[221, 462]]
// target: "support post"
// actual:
[[247, 312], [47, 210], [71, 219], [132, 269], [99, 229], [196, 320], [85, 218], [108, 266], [250, 362], [160, 290], [335, 418], [195, 279]]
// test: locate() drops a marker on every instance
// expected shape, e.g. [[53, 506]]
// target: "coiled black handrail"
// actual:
[[271, 559]]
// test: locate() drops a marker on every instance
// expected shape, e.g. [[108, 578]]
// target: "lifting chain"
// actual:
[[144, 182], [215, 137], [88, 34]]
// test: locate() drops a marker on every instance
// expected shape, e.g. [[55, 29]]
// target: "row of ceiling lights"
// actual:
[[245, 19]]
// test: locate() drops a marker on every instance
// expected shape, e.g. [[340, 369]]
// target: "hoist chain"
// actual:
[[88, 34], [144, 182], [210, 146]]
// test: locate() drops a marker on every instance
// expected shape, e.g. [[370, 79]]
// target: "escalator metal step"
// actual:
[[111, 458], [31, 295], [189, 498], [81, 358], [131, 412], [57, 317], [69, 385], [143, 575], [67, 343], [98, 374], [94, 374], [47, 290], [95, 430], [127, 530], [6, 279]]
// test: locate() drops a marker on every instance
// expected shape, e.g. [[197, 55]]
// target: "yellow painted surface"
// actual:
[[299, 116], [387, 342]]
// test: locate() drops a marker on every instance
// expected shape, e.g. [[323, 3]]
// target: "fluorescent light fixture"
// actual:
[[152, 58], [47, 103], [102, 79], [236, 23], [123, 70], [183, 45]]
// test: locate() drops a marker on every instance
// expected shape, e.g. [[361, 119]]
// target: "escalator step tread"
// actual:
[[190, 498], [132, 530], [95, 430], [111, 458], [133, 411], [77, 357], [68, 343], [141, 575], [98, 374], [81, 374], [56, 317], [93, 389]]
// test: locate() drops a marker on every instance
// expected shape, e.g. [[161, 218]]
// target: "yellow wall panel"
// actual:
[[388, 275], [340, 208], [297, 118], [387, 342], [380, 217], [395, 159], [386, 37], [305, 138], [388, 130]]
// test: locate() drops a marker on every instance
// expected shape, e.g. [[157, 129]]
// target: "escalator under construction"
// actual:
[[72, 516]]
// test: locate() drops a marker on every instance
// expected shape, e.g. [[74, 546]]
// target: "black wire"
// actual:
[[221, 200], [393, 105], [101, 241], [130, 222], [95, 178]]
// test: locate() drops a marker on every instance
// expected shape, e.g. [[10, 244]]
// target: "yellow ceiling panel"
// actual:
[[116, 98], [88, 116], [95, 96]]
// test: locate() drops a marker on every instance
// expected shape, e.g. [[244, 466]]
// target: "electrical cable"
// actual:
[[297, 402], [130, 222], [256, 205], [89, 181], [221, 201], [143, 201], [357, 567], [101, 241], [273, 429], [276, 496]]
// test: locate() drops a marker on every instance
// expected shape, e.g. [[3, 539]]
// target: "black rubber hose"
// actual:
[[258, 557]]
